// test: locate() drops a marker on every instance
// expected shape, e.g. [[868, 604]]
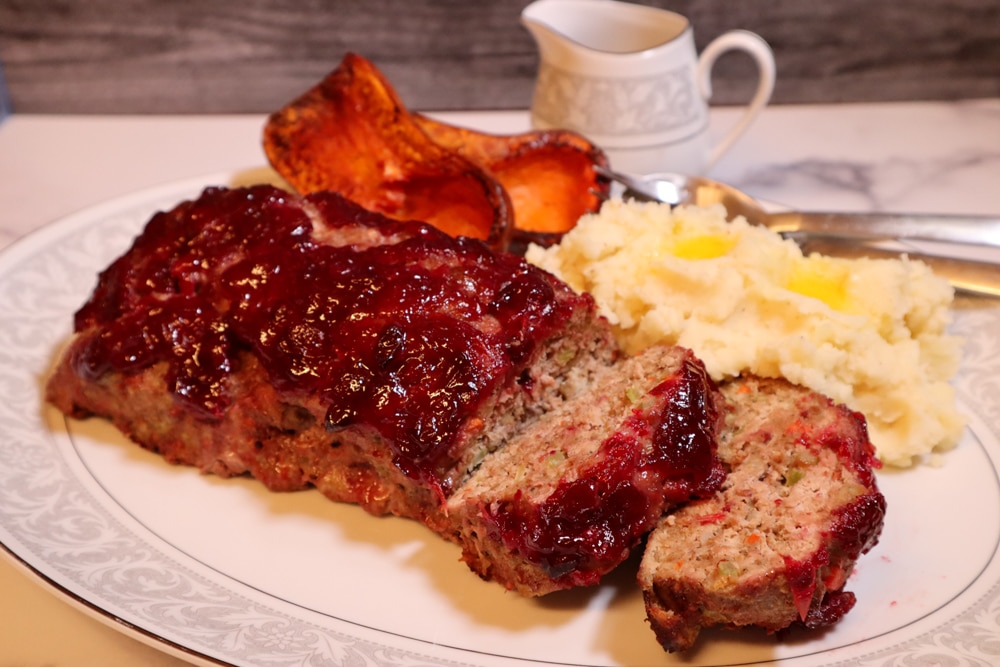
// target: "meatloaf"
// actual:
[[775, 545], [308, 342], [567, 499]]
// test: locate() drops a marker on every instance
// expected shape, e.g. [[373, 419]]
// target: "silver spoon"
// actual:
[[838, 234]]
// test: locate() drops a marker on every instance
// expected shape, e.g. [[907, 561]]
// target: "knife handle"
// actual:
[[968, 229]]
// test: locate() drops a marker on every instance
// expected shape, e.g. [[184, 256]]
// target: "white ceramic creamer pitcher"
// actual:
[[628, 78]]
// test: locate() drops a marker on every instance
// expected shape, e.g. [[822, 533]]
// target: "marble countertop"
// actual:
[[908, 157]]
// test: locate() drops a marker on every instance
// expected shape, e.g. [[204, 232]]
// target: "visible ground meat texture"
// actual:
[[308, 342], [775, 546], [570, 497]]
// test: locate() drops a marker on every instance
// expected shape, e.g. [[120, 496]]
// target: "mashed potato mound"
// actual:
[[868, 333]]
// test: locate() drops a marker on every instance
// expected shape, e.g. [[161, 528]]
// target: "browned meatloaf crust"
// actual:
[[308, 342], [776, 544]]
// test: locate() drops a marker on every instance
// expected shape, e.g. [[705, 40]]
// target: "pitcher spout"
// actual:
[[541, 19], [599, 28]]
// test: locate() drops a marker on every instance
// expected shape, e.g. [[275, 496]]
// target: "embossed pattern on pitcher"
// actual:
[[662, 103]]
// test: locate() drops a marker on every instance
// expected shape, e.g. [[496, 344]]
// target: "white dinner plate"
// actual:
[[223, 571]]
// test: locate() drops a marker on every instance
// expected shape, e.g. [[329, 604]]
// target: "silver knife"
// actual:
[[971, 230]]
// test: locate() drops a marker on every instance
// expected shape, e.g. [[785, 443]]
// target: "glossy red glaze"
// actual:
[[855, 530], [406, 337], [802, 579], [664, 456], [857, 451], [834, 606], [858, 526]]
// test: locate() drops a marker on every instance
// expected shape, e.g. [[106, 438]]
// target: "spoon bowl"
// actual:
[[676, 189]]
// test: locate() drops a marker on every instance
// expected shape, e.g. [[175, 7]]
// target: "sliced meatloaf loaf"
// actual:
[[568, 498], [776, 544], [308, 342]]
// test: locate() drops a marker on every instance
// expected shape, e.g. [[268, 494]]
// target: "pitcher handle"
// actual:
[[754, 44]]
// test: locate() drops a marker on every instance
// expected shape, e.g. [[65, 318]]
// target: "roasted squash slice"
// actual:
[[351, 134], [548, 174]]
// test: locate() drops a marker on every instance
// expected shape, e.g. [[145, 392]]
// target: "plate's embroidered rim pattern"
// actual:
[[48, 517]]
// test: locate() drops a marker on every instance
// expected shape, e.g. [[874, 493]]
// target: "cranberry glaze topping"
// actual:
[[406, 333], [855, 529], [658, 456]]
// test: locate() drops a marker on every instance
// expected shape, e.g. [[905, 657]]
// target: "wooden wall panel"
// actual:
[[177, 56], [4, 97]]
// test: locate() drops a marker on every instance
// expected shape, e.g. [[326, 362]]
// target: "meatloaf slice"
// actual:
[[776, 544], [307, 341], [570, 496]]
